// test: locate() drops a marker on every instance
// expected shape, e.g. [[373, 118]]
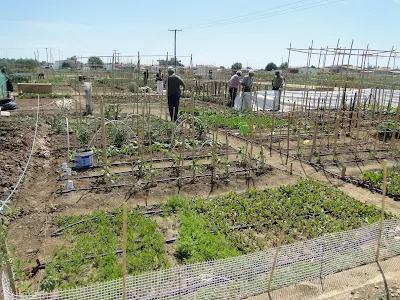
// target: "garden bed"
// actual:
[[193, 230]]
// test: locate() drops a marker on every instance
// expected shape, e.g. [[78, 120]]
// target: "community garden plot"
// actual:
[[192, 230], [70, 219], [146, 151]]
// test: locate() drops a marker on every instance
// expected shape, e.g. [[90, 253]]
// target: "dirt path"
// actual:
[[364, 282]]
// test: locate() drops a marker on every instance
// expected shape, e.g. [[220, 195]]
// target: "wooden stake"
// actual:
[[272, 132], [288, 132], [343, 174], [335, 133], [395, 125], [103, 133], [193, 136], [278, 247], [382, 211], [124, 238]]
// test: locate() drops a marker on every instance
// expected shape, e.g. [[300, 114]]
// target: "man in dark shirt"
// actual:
[[277, 84], [145, 77], [174, 93]]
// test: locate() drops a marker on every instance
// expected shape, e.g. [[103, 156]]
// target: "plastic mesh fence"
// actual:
[[3, 86], [247, 275]]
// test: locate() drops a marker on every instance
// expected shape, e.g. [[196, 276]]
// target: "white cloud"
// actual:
[[396, 1]]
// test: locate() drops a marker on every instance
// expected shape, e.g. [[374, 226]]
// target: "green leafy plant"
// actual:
[[393, 179], [112, 111], [83, 134], [56, 123], [196, 243]]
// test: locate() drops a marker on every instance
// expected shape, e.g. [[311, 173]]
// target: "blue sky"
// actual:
[[255, 31]]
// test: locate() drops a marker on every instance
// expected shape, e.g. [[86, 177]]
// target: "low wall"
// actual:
[[37, 88]]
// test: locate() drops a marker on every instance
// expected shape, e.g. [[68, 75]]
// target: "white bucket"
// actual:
[[70, 184], [64, 166], [83, 158]]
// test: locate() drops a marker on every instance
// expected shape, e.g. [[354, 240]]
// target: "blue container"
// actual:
[[83, 158]]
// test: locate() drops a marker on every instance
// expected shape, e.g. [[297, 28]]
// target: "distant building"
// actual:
[[58, 64], [343, 69], [205, 71], [303, 70]]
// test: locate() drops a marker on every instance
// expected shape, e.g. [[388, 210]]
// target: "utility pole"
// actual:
[[113, 59], [175, 30], [47, 58]]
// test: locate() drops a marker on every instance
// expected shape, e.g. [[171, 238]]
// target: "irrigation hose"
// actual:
[[5, 202]]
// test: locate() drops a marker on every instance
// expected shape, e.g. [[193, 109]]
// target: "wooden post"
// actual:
[[382, 211], [124, 238], [193, 135], [103, 133], [251, 125], [314, 139], [343, 173], [395, 125], [288, 132], [278, 247], [4, 253], [335, 133]]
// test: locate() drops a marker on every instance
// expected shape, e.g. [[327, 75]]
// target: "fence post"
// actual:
[[103, 133], [382, 211], [124, 238], [4, 253], [322, 263], [278, 247]]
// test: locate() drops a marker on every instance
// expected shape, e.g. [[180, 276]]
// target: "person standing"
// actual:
[[145, 77], [174, 82], [159, 81], [234, 83], [9, 84], [277, 84], [247, 82]]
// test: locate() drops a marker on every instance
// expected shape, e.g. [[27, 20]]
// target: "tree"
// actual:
[[18, 65], [236, 66], [222, 67], [313, 67], [271, 66], [65, 65], [284, 66], [171, 62], [249, 68], [95, 62]]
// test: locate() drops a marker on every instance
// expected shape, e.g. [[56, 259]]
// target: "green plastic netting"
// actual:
[[3, 86]]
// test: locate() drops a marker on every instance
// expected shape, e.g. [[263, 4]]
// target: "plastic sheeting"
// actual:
[[314, 99], [249, 100]]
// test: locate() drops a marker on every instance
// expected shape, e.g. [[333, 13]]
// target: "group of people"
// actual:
[[174, 82], [247, 86]]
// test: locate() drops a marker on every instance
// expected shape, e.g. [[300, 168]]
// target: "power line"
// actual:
[[249, 14], [264, 13]]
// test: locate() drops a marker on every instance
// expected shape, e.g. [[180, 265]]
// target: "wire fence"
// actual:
[[314, 261]]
